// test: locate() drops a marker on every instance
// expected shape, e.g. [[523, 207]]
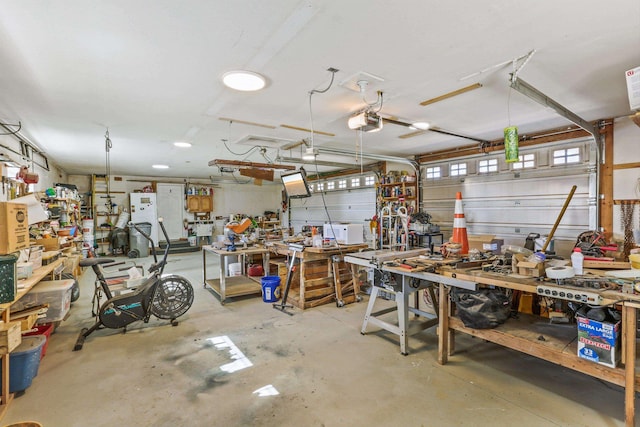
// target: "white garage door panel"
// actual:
[[513, 204], [352, 206]]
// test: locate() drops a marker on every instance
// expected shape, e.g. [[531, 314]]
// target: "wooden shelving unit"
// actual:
[[24, 287]]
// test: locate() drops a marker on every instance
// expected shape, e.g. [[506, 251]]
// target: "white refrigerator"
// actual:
[[144, 209]]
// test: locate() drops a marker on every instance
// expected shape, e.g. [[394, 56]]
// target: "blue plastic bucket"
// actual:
[[270, 291]]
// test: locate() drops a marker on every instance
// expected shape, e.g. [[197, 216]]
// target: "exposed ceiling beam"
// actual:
[[451, 94], [307, 130], [313, 162], [238, 163]]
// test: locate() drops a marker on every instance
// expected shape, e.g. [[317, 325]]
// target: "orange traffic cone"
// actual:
[[460, 226]]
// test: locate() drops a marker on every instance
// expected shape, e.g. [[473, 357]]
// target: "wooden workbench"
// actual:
[[559, 344], [313, 283]]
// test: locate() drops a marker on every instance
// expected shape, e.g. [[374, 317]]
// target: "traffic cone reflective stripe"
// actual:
[[460, 226]]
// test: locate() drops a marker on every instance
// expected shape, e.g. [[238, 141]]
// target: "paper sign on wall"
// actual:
[[633, 87]]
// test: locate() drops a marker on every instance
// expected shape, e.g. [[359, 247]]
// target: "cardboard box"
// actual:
[[521, 266], [599, 341], [50, 244], [10, 336], [485, 242], [14, 227]]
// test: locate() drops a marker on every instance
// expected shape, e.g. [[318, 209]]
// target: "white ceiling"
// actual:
[[149, 71]]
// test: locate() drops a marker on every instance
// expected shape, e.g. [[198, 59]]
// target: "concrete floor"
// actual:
[[325, 373]]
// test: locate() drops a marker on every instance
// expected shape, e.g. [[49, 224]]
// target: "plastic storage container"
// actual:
[[235, 269], [46, 329], [57, 293], [24, 362], [270, 285]]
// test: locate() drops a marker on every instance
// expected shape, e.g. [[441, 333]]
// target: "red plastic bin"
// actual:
[[44, 329]]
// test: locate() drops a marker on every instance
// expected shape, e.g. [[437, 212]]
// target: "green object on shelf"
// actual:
[[8, 278]]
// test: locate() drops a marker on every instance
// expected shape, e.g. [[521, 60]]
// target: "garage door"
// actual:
[[339, 200], [513, 200]]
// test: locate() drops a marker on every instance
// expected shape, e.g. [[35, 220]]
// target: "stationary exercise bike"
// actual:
[[166, 297]]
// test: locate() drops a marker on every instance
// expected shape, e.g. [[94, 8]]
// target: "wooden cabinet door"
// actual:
[[193, 203], [200, 203], [206, 203]]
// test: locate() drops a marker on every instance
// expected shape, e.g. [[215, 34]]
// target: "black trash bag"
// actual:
[[481, 309]]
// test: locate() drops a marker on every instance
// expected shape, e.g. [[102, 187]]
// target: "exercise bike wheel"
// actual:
[[173, 298]]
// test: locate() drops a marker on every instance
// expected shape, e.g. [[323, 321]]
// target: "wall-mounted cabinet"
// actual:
[[200, 203]]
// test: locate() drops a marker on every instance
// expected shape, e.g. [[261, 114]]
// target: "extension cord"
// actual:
[[571, 294]]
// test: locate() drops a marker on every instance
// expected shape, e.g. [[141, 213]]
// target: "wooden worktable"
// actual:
[[313, 283], [231, 286], [558, 346]]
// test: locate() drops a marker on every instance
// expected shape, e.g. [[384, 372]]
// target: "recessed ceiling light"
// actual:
[[182, 144], [160, 166], [420, 125], [246, 81]]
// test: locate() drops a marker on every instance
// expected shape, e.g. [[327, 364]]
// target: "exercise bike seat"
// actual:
[[90, 262]]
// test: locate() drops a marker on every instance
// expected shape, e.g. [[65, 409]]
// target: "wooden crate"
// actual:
[[10, 336]]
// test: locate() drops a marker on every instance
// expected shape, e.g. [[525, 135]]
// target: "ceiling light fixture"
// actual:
[[366, 121], [246, 81], [182, 144], [310, 154], [160, 166]]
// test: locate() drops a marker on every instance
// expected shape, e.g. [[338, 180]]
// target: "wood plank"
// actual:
[[627, 166], [606, 265], [236, 286], [451, 94], [237, 163], [553, 350], [258, 173]]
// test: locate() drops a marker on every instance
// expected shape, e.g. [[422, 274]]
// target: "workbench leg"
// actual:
[[629, 334], [356, 282], [372, 301], [337, 284], [223, 285], [204, 268], [402, 301], [443, 325]]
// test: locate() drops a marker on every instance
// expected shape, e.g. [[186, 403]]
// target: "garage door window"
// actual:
[[566, 156], [488, 165], [458, 169], [525, 161], [433, 172]]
